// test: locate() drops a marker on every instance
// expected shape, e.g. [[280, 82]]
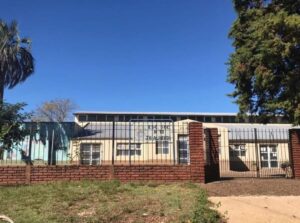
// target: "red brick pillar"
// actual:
[[196, 152], [28, 174], [295, 151], [212, 171]]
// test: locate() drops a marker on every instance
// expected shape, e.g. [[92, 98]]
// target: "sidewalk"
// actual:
[[260, 209]]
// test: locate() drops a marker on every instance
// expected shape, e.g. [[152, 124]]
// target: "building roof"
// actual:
[[104, 131], [153, 113], [269, 132]]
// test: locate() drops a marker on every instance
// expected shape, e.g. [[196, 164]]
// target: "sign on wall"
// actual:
[[151, 131]]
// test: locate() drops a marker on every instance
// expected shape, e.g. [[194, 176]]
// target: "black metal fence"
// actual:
[[254, 152], [100, 143]]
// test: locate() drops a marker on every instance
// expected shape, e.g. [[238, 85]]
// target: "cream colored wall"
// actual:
[[181, 128], [148, 151], [250, 156], [148, 148]]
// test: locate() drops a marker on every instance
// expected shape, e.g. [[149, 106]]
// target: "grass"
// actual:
[[109, 201]]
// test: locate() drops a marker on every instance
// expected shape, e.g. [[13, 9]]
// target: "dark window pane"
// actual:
[[183, 161], [264, 164], [92, 118], [101, 118], [85, 162], [110, 118], [207, 119], [200, 118], [274, 164], [82, 118]]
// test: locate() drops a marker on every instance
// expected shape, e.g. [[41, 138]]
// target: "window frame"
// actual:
[[91, 158], [162, 148], [183, 138], [238, 152], [136, 151]]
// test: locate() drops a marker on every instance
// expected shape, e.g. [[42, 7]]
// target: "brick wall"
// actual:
[[153, 173], [12, 175], [212, 168], [196, 152], [55, 173], [295, 151], [40, 174]]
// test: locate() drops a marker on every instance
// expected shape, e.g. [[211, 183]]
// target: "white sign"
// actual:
[[152, 131]]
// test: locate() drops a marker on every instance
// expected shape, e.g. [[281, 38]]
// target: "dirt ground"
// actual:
[[257, 200], [259, 209], [249, 186]]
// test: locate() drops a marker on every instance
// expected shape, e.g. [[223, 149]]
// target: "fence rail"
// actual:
[[253, 152], [243, 152], [100, 143]]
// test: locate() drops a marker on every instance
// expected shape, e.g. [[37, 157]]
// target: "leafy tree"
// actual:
[[265, 66], [16, 61], [12, 129], [57, 110]]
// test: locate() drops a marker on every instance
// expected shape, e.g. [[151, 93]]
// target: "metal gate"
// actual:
[[254, 152]]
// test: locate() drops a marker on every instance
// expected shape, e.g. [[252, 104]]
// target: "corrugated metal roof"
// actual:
[[269, 132], [104, 131]]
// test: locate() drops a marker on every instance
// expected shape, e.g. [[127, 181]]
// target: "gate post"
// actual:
[[294, 137], [196, 152], [212, 168]]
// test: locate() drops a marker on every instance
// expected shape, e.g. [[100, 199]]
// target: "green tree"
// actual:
[[265, 66], [16, 61], [12, 129]]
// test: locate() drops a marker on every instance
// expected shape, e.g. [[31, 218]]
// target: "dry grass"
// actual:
[[109, 201], [254, 186]]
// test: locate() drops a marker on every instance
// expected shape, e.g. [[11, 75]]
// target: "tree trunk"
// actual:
[[1, 88]]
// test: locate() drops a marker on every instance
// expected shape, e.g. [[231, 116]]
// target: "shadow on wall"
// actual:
[[236, 163], [50, 139]]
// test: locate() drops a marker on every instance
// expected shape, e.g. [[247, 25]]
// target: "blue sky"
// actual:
[[126, 55]]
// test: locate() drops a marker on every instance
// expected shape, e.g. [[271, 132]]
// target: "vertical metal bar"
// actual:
[[256, 153], [52, 145], [113, 144], [174, 145], [30, 143], [290, 154], [129, 142]]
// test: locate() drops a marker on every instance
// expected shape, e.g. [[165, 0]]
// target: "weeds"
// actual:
[[203, 212], [107, 201]]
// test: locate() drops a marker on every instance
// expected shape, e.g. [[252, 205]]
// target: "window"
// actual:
[[123, 149], [82, 118], [200, 118], [121, 118], [90, 154], [268, 156], [110, 118], [101, 118], [162, 147], [237, 150], [92, 118], [183, 149], [207, 119], [218, 119]]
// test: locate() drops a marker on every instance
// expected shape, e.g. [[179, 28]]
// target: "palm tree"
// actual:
[[16, 61]]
